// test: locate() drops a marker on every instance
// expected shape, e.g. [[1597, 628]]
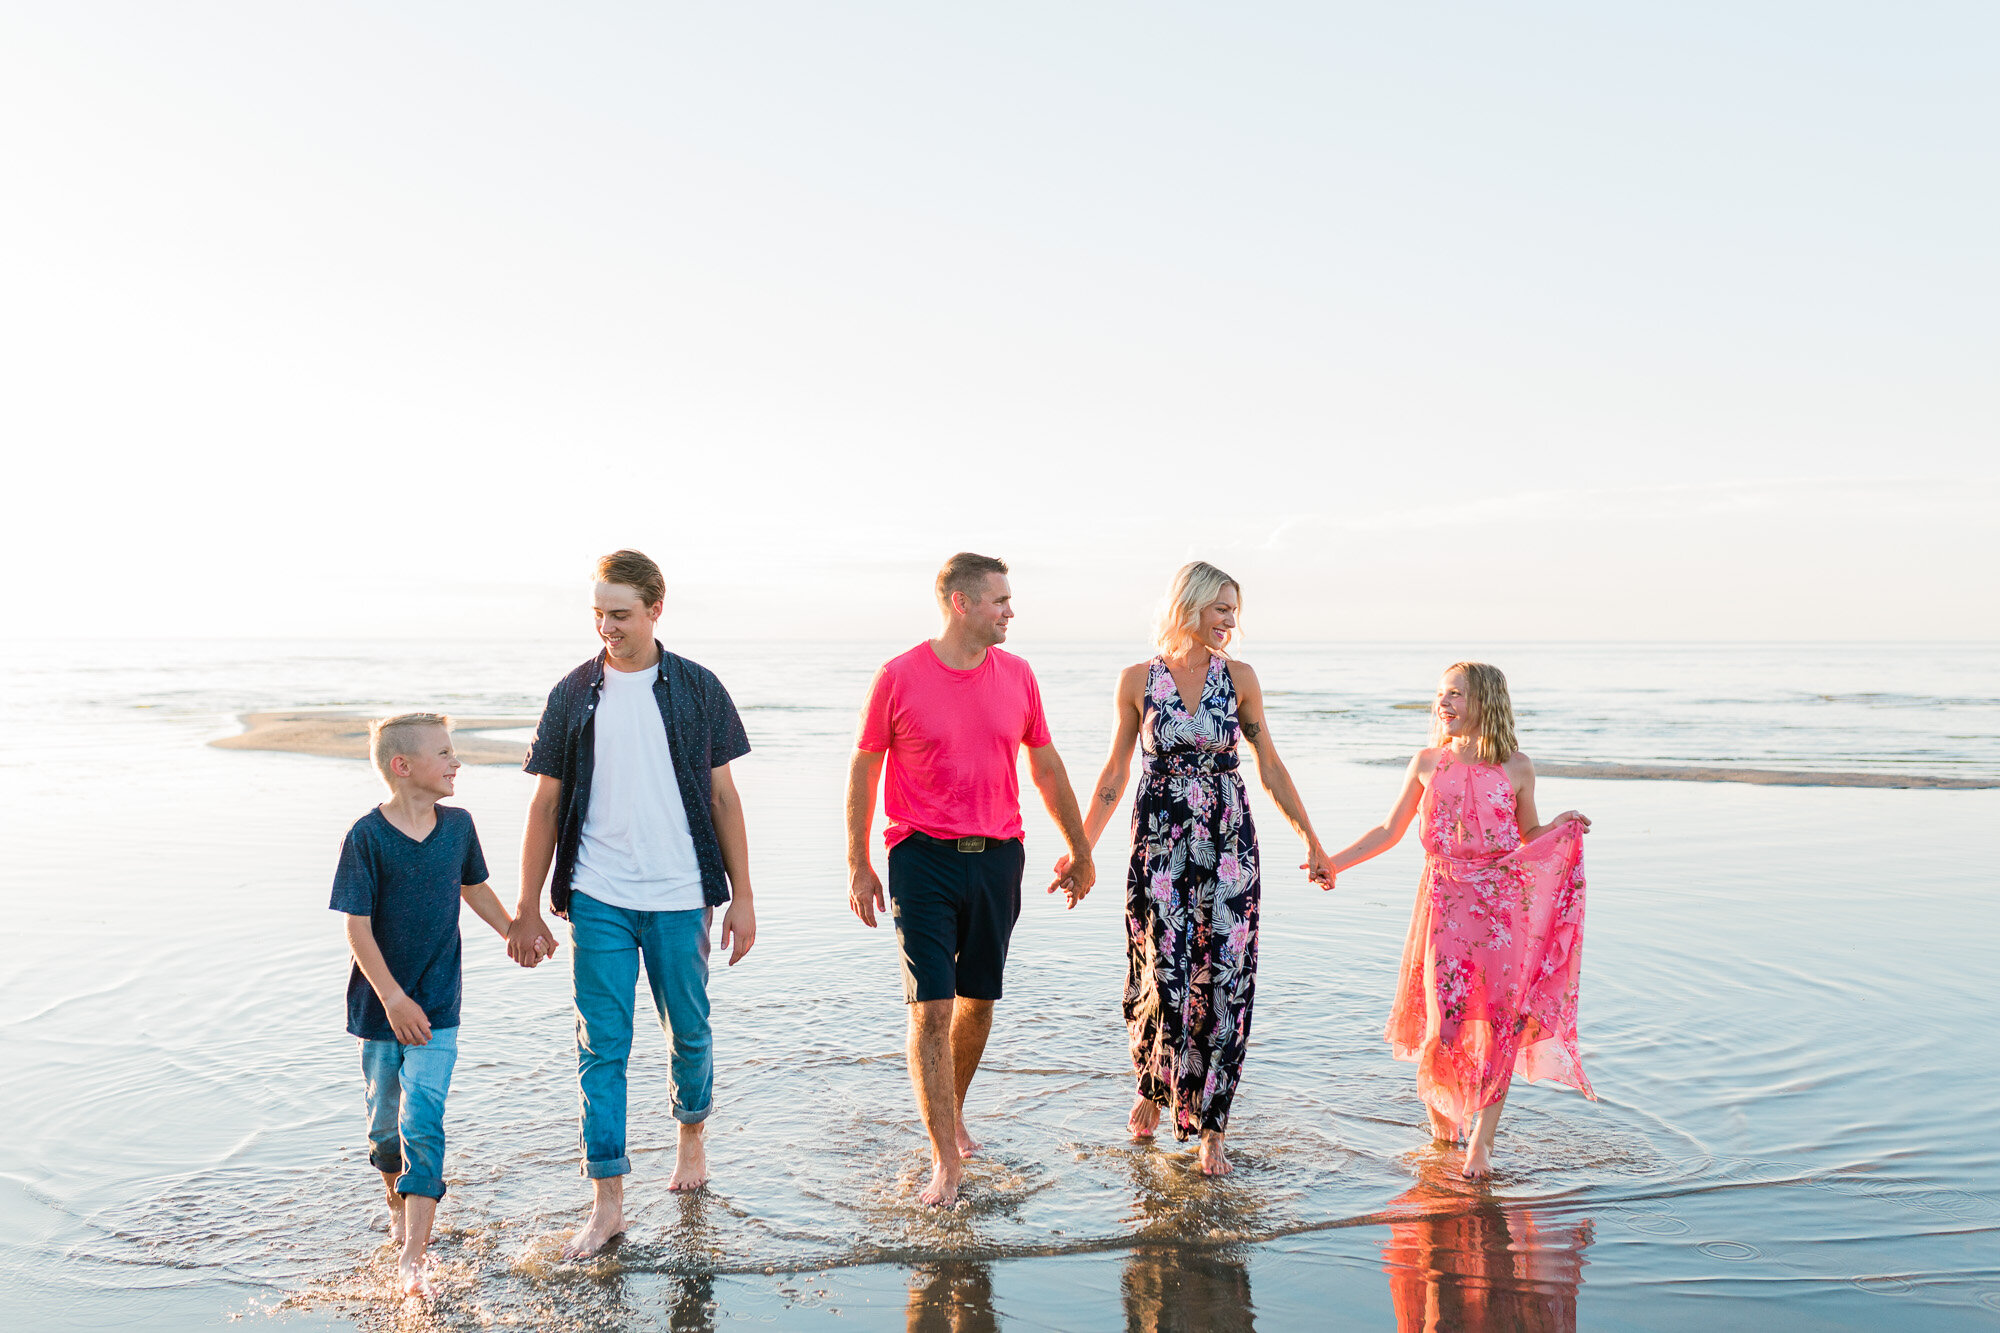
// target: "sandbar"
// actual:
[[345, 736], [1757, 777]]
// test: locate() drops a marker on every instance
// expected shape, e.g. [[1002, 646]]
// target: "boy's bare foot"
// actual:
[[942, 1192], [413, 1272], [1145, 1118], [1442, 1129], [690, 1161], [1214, 1162], [1478, 1161], [967, 1145], [607, 1219]]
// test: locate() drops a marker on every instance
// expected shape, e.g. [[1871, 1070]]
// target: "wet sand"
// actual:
[[345, 736]]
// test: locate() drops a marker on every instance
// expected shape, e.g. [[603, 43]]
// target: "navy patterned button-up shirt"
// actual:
[[703, 731]]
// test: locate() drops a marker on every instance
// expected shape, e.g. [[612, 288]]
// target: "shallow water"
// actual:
[[1774, 996]]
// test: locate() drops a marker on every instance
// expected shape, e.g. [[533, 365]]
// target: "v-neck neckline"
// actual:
[[1200, 698], [414, 842]]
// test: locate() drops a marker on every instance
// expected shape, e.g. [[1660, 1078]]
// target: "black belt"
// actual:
[[960, 844]]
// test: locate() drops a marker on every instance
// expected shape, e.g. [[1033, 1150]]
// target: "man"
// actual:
[[947, 720], [638, 812]]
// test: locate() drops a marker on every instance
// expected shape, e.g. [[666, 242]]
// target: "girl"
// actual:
[[1488, 985], [1192, 894]]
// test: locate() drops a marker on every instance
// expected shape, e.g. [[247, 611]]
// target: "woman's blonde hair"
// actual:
[[1493, 740], [1195, 585]]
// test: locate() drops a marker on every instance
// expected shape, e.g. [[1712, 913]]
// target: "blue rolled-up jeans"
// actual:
[[609, 943], [406, 1087]]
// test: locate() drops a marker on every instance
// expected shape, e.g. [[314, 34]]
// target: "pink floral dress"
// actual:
[[1488, 984]]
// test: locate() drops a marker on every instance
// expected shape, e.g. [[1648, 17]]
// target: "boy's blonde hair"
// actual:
[[1195, 585], [1493, 740], [391, 736]]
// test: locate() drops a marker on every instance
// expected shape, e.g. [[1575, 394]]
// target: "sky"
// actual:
[[1567, 321]]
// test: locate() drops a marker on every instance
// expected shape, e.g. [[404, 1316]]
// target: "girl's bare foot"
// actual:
[[1211, 1157], [1145, 1118], [690, 1162]]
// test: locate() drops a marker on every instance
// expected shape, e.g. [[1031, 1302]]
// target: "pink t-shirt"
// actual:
[[953, 739]]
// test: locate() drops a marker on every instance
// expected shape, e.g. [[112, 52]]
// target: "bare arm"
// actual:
[[406, 1017], [1271, 770], [864, 887], [1521, 773], [739, 922], [485, 905], [529, 940], [1052, 780], [1390, 831], [1127, 708]]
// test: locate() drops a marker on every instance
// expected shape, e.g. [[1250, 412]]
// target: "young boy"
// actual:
[[403, 868]]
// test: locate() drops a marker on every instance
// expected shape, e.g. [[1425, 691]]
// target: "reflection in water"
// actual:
[[692, 1305], [1464, 1262], [1174, 1290], [954, 1296]]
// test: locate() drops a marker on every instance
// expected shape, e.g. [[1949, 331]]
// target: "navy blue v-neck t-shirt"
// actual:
[[410, 892]]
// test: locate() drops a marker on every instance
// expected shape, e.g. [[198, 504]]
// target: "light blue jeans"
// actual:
[[407, 1086], [609, 943]]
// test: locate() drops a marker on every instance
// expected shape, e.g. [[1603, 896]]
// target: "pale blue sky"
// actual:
[[1669, 322]]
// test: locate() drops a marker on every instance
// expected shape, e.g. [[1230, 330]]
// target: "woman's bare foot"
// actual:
[[942, 1192], [607, 1219], [1442, 1129], [1145, 1118], [1210, 1155], [1478, 1161], [690, 1162], [967, 1145], [413, 1272], [1479, 1141]]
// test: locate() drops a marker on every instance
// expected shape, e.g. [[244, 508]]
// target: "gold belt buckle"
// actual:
[[972, 844]]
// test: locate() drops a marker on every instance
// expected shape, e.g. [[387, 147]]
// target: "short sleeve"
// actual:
[[354, 880], [548, 752], [474, 869], [1037, 733], [876, 732], [726, 738]]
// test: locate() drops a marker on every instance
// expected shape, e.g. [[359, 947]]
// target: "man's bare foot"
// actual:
[[967, 1145], [1442, 1129], [1214, 1162], [943, 1189], [690, 1162], [413, 1272], [607, 1219], [1145, 1118], [1478, 1161]]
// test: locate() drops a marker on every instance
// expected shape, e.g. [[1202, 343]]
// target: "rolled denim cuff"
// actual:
[[693, 1117], [610, 1166], [430, 1187], [385, 1161]]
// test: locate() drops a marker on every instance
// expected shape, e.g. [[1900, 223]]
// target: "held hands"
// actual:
[[529, 941], [739, 929], [408, 1021], [864, 893], [1073, 878], [1318, 866]]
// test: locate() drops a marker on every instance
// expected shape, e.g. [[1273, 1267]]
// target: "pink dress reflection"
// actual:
[[1481, 1268], [1488, 983]]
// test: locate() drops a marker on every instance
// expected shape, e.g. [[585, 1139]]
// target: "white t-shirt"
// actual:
[[636, 851]]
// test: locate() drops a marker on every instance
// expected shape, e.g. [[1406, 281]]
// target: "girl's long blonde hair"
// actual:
[[1493, 738], [1195, 585]]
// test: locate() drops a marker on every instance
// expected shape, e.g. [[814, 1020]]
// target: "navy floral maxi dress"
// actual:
[[1191, 904]]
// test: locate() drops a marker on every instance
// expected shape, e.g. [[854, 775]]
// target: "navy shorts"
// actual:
[[955, 912]]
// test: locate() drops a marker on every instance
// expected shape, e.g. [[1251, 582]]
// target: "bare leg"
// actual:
[[690, 1162], [1211, 1157], [396, 1230], [1479, 1141], [607, 1218], [1145, 1117], [971, 1023], [418, 1212], [937, 1096]]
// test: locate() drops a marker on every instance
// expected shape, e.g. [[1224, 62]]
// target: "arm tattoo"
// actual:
[[1108, 796], [1251, 729]]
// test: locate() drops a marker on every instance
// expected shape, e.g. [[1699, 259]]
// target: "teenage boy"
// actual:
[[403, 869], [639, 815], [947, 720]]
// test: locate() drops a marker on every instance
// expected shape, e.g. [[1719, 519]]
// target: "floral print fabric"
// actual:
[[1488, 984], [1191, 904]]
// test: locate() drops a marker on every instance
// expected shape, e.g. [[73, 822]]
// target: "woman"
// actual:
[[1488, 985], [1191, 898]]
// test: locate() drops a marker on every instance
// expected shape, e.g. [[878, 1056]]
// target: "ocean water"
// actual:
[[1778, 1013]]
